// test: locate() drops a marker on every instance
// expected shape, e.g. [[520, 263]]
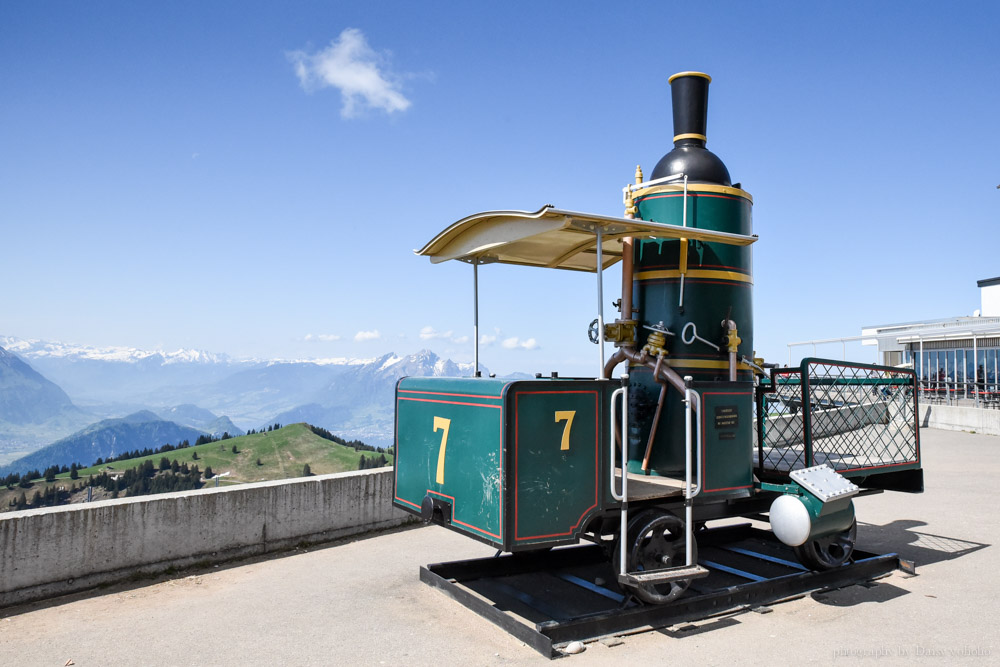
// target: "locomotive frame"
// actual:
[[542, 463]]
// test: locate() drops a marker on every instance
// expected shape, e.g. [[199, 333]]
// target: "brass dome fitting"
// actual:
[[655, 344]]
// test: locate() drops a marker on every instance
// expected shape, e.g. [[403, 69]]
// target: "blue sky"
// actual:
[[249, 178]]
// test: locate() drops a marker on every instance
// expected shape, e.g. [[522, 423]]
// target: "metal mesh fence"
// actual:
[[853, 417]]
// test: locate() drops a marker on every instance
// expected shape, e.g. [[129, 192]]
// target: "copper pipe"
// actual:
[[656, 417], [616, 358], [627, 276], [664, 374]]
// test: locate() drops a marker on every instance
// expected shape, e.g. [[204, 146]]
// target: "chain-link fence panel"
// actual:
[[853, 417]]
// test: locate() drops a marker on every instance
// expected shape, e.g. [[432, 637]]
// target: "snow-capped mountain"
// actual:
[[40, 349], [351, 397], [360, 400]]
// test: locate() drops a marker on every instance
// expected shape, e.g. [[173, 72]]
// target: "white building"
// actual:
[[952, 355]]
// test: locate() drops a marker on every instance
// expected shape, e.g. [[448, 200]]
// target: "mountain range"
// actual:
[[33, 409], [106, 438], [210, 393]]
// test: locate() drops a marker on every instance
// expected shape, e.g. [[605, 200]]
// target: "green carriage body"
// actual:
[[515, 464], [525, 464]]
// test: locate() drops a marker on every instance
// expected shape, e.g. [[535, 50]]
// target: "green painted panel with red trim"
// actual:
[[516, 464], [727, 423], [556, 458], [449, 445]]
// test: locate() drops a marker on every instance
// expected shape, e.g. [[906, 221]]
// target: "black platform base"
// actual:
[[547, 599]]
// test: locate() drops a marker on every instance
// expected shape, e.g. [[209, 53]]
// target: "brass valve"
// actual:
[[621, 332], [732, 340], [630, 208], [657, 340]]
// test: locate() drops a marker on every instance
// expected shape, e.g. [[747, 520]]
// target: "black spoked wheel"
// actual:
[[826, 553], [656, 541]]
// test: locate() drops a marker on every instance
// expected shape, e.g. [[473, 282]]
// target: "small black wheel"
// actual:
[[656, 541], [826, 553]]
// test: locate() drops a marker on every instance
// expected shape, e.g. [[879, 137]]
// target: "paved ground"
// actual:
[[360, 602]]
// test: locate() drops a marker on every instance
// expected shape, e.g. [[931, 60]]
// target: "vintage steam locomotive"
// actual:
[[695, 429]]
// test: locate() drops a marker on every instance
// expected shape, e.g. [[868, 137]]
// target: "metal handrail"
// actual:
[[690, 490], [623, 497], [621, 391]]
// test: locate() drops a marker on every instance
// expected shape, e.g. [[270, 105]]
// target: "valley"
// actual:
[[270, 455]]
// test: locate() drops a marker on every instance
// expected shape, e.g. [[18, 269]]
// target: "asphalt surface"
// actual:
[[360, 602]]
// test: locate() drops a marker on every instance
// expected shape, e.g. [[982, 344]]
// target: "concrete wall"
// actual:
[[57, 550], [954, 418], [787, 429]]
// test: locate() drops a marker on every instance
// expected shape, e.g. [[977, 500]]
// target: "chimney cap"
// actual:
[[680, 74]]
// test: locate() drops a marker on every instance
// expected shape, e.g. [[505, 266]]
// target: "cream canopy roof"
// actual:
[[554, 238]]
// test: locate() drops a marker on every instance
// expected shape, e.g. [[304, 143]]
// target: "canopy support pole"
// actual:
[[475, 315], [600, 299]]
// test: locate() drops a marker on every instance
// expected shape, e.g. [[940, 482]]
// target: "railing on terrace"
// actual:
[[983, 394]]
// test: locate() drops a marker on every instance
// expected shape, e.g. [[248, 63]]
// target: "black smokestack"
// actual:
[[689, 96]]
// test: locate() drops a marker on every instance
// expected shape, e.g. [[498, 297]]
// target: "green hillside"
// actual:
[[282, 453]]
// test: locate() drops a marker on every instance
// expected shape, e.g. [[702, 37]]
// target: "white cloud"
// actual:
[[363, 336], [487, 339], [356, 70], [429, 333], [515, 343], [323, 337]]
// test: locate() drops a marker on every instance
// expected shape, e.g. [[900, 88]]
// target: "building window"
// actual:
[[970, 367], [959, 372]]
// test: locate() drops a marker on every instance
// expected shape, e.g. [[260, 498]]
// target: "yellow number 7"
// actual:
[[567, 416], [441, 424]]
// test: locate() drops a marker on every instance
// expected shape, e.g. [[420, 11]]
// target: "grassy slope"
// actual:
[[282, 454]]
